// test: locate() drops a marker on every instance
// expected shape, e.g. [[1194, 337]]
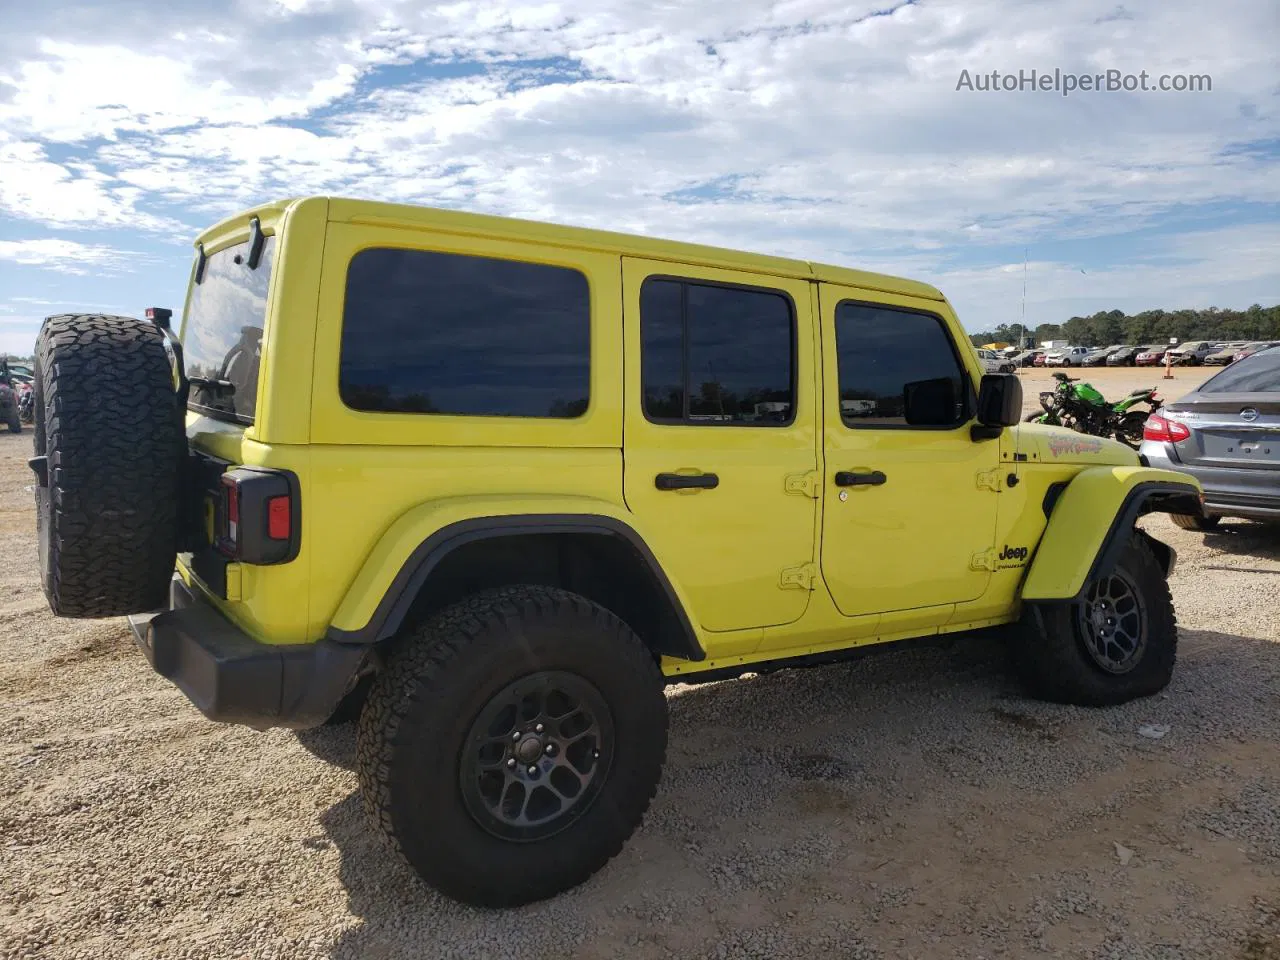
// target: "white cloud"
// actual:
[[807, 127], [65, 256]]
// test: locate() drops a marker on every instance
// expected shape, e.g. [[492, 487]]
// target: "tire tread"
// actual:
[[421, 665], [107, 420]]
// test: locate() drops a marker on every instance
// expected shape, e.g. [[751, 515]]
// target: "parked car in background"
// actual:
[[1225, 433], [1225, 353], [1065, 357], [1152, 355], [1124, 357], [1026, 358], [1257, 346], [1098, 356], [1193, 352], [1039, 359], [993, 362], [9, 399]]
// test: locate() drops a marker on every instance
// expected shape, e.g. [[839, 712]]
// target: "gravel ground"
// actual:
[[912, 805]]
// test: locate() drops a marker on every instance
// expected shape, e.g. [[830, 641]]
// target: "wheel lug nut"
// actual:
[[538, 728], [550, 749], [533, 770], [511, 762], [515, 734]]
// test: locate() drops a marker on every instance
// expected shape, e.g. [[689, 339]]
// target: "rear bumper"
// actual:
[[232, 678], [1253, 494]]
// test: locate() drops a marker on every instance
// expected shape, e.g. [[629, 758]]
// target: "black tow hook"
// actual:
[[41, 467]]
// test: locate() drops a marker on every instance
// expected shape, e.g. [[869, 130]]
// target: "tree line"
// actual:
[[1150, 326]]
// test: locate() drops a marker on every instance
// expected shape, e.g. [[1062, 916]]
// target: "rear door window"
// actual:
[[716, 354]]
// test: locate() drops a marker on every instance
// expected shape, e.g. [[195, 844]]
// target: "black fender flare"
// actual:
[[394, 606]]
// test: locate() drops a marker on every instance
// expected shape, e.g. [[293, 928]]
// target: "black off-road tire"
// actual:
[[1055, 664], [1193, 521], [107, 422], [419, 717]]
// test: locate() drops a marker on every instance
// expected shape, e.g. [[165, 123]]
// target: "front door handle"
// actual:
[[686, 481], [847, 478]]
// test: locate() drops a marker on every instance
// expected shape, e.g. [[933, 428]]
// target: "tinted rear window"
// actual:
[[222, 339], [1259, 373], [445, 333]]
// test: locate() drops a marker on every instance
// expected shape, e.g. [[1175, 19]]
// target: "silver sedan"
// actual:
[[1226, 433]]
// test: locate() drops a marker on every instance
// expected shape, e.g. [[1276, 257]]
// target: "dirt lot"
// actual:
[[912, 805]]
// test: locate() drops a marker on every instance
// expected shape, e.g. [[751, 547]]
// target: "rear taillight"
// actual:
[[260, 520], [1163, 429], [279, 519]]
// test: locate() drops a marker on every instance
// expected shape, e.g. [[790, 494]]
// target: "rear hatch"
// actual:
[[222, 349], [1234, 417]]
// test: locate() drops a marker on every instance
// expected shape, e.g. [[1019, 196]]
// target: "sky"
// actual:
[[852, 132]]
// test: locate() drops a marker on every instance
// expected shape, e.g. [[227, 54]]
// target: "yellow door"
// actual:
[[903, 510], [721, 409]]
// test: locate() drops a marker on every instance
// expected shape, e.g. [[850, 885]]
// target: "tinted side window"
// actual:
[[897, 368], [715, 354], [428, 332]]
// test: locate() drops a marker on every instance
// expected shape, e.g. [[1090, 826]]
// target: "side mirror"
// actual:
[[999, 405]]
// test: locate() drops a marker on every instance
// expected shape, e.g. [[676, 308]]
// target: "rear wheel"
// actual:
[[109, 440], [1190, 521], [1118, 643], [1130, 428], [513, 744]]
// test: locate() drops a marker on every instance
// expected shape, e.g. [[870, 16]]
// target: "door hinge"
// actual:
[[799, 578], [803, 484], [983, 560], [989, 479]]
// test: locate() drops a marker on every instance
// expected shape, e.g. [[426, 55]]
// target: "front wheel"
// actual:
[[513, 744], [1116, 644]]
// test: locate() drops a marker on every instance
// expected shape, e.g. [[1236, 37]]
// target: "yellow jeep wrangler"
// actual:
[[489, 484]]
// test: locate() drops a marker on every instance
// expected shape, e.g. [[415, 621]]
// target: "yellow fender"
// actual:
[[403, 557], [1092, 518]]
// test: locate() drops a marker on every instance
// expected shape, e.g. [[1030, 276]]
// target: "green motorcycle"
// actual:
[[1080, 407]]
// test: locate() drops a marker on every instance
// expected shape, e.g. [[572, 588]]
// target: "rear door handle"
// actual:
[[686, 481], [847, 478]]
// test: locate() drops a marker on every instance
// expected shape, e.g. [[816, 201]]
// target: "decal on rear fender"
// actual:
[[1060, 443]]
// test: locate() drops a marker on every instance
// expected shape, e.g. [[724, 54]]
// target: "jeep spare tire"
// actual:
[[109, 441]]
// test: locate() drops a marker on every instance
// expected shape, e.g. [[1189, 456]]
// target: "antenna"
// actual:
[[1022, 321]]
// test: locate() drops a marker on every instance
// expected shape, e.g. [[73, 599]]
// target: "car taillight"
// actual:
[[260, 516], [1163, 429]]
